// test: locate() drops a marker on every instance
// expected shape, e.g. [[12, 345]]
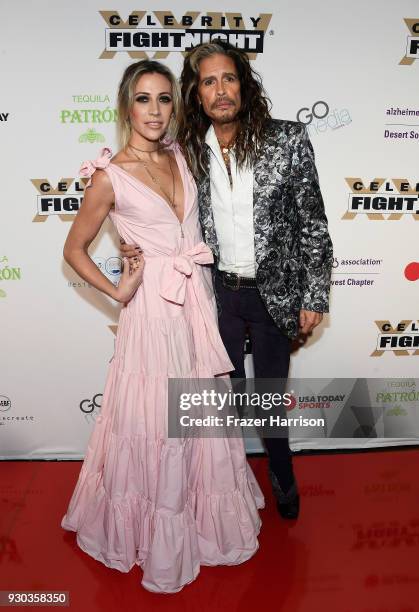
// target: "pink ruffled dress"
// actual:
[[168, 505]]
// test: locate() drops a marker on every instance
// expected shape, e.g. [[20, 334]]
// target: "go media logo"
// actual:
[[320, 119], [89, 405], [58, 200], [160, 32]]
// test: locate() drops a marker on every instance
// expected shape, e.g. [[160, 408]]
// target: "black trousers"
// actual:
[[242, 311]]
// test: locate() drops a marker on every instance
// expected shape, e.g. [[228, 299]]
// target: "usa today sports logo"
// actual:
[[161, 33]]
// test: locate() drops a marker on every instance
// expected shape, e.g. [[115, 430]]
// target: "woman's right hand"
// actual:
[[131, 279]]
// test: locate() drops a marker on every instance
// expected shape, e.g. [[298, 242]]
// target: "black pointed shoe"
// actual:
[[289, 510], [288, 504]]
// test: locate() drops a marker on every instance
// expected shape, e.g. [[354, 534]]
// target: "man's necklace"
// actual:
[[156, 181], [225, 152]]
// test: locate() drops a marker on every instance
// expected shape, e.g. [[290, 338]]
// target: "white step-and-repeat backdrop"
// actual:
[[348, 70]]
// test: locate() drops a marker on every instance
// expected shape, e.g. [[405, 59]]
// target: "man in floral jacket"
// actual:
[[262, 215]]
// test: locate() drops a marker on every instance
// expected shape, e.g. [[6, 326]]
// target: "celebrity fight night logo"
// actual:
[[58, 200], [412, 42], [382, 199], [161, 33], [401, 339]]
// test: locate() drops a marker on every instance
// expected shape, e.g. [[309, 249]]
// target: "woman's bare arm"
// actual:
[[98, 200]]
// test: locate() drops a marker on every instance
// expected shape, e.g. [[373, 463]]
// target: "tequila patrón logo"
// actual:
[[91, 136]]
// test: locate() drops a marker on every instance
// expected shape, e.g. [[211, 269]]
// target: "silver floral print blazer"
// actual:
[[293, 249]]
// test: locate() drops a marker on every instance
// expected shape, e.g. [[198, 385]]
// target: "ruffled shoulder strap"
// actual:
[[89, 167]]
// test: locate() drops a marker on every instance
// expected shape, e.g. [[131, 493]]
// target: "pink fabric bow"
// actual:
[[89, 166], [173, 280]]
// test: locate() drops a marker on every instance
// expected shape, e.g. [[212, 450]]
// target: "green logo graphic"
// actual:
[[396, 411], [91, 136]]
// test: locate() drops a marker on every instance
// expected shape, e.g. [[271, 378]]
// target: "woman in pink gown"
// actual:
[[166, 504]]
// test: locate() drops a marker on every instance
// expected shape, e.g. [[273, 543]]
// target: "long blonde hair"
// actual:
[[126, 93]]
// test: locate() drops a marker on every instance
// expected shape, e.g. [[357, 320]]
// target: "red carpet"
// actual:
[[355, 547]]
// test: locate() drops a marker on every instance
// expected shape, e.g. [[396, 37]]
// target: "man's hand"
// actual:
[[129, 250], [309, 320]]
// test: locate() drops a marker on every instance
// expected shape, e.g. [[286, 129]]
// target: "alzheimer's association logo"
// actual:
[[411, 271]]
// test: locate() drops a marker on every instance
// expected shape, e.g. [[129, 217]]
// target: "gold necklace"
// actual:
[[143, 151], [225, 147], [225, 152], [156, 180]]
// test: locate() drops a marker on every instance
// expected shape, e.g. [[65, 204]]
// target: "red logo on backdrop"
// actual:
[[411, 271], [292, 404]]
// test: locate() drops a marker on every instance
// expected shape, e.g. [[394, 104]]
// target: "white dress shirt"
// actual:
[[233, 211]]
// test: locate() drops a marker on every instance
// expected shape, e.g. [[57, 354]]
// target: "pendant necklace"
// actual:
[[225, 152], [156, 181]]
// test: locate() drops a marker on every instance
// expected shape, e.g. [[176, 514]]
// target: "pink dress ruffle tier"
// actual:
[[168, 505]]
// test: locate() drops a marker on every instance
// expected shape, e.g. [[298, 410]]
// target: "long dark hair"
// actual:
[[253, 115]]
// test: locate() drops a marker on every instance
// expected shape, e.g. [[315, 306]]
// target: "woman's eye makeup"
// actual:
[[143, 99]]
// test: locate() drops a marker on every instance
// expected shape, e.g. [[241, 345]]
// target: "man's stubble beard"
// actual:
[[227, 118]]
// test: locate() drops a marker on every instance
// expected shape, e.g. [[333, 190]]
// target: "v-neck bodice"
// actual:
[[144, 217], [156, 193]]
